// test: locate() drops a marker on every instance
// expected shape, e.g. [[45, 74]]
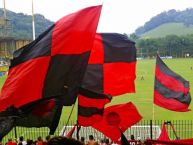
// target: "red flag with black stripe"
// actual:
[[111, 70], [171, 91], [91, 107], [50, 68]]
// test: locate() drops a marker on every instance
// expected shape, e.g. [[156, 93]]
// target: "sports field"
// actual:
[[144, 91]]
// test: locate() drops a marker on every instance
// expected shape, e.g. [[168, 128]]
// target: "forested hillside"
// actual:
[[22, 24]]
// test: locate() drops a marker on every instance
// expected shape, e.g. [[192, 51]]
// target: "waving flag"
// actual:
[[43, 113], [116, 118], [111, 67], [49, 68], [171, 91], [53, 64], [91, 107], [111, 71]]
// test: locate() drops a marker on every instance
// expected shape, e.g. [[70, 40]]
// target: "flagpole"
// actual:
[[153, 113], [68, 119], [15, 131], [5, 14], [33, 21]]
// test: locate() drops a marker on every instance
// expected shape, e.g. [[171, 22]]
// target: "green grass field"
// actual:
[[168, 29], [144, 91]]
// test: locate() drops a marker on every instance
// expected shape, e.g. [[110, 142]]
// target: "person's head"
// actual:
[[132, 137], [91, 137], [21, 138], [10, 139], [60, 140], [102, 140], [48, 138], [82, 139], [107, 141], [39, 138]]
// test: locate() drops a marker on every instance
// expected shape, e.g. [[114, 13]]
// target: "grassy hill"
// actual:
[[168, 29]]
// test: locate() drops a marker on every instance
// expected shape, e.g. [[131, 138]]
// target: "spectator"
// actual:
[[133, 141], [107, 141], [60, 140], [82, 140], [39, 141], [29, 142], [102, 142], [22, 141], [91, 141], [46, 141]]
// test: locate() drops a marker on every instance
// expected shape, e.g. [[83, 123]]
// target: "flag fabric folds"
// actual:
[[111, 67], [116, 118], [53, 64], [49, 68], [111, 71], [91, 107], [171, 91], [43, 113], [164, 135]]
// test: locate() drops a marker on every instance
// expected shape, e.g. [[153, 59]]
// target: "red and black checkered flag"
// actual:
[[49, 68], [111, 70], [53, 64], [171, 91]]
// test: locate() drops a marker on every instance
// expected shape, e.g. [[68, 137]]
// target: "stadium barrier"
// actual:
[[142, 130]]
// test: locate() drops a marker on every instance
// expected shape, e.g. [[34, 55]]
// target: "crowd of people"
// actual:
[[60, 140]]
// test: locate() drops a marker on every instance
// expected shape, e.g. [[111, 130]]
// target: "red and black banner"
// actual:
[[47, 73], [111, 70], [112, 65], [171, 91], [91, 107], [43, 113], [53, 64]]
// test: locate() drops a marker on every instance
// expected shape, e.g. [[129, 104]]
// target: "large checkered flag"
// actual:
[[111, 70], [46, 74]]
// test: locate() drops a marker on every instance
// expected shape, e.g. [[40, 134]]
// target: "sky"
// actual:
[[121, 16]]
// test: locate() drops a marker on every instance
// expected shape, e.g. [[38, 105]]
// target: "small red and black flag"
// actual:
[[171, 91], [111, 70], [91, 107]]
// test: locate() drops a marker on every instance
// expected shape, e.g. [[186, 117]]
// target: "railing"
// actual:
[[143, 130]]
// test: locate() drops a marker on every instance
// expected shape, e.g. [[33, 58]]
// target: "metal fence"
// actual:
[[144, 129]]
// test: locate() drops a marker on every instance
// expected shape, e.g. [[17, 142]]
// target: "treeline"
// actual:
[[171, 45], [171, 16], [21, 24]]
